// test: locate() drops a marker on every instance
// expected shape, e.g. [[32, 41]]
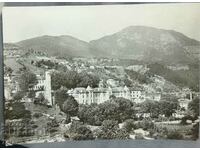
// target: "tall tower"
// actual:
[[191, 96], [47, 92]]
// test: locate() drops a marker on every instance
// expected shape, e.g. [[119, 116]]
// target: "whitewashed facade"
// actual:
[[99, 95]]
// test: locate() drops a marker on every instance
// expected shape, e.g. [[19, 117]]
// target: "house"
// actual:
[[183, 102], [112, 83]]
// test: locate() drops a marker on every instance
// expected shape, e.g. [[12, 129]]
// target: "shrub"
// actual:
[[109, 125], [34, 126], [171, 118], [161, 119], [24, 129], [185, 118], [145, 124], [78, 131], [195, 131], [110, 130], [31, 94], [53, 123], [40, 100], [52, 126], [37, 115], [53, 130], [129, 125], [139, 136], [121, 134], [174, 135], [18, 96]]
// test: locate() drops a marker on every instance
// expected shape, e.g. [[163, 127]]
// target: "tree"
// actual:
[[78, 131], [185, 118], [31, 94], [127, 82], [174, 135], [195, 131], [72, 79], [68, 119], [152, 107], [110, 130], [194, 107], [17, 111], [41, 99], [18, 96], [145, 124], [124, 108], [56, 80], [168, 106], [52, 126], [138, 76], [88, 80], [129, 125], [118, 109], [70, 106], [66, 103], [60, 97], [68, 79], [109, 125], [7, 70], [91, 114], [27, 80]]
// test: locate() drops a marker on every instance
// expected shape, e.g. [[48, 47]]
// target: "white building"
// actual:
[[99, 95], [183, 102]]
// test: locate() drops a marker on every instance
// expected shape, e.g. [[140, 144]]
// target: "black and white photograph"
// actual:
[[101, 72]]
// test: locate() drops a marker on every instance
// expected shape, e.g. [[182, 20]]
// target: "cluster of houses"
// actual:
[[11, 50], [91, 95], [178, 67], [101, 93]]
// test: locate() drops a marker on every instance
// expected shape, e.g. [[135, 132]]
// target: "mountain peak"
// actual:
[[145, 43]]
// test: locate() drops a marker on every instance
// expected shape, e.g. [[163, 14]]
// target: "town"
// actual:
[[56, 99]]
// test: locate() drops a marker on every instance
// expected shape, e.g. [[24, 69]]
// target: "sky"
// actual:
[[92, 22]]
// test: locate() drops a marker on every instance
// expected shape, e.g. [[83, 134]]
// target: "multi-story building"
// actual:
[[99, 95]]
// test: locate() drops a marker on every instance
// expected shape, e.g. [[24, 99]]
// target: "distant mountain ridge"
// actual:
[[57, 45], [145, 43], [133, 42]]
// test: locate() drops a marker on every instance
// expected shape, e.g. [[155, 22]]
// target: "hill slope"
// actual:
[[57, 45], [145, 43]]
